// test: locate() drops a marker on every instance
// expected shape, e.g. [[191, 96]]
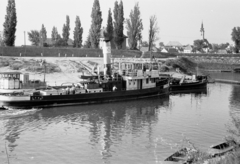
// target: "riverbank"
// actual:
[[58, 70], [68, 69]]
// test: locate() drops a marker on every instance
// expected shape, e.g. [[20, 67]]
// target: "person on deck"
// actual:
[[68, 90], [73, 88], [114, 88]]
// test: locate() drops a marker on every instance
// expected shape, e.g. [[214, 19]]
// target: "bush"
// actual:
[[4, 63], [16, 66], [184, 64]]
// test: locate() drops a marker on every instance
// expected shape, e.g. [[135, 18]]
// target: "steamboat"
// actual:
[[130, 81]]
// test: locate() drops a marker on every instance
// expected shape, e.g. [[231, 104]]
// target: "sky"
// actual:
[[178, 20]]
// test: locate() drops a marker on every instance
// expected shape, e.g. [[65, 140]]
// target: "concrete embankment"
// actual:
[[227, 81]]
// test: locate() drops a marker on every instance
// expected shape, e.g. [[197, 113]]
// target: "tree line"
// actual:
[[114, 28]]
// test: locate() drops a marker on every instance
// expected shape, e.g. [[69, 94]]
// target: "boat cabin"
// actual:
[[10, 80], [17, 80]]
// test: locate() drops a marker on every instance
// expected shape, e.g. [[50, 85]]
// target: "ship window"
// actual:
[[147, 81]]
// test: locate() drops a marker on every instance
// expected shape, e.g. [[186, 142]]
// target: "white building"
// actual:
[[188, 49]]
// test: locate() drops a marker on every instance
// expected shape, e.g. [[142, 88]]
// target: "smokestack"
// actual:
[[106, 47]]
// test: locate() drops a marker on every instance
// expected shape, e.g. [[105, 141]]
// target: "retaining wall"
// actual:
[[62, 52]]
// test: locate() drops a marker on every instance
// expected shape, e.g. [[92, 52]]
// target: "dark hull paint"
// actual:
[[237, 70], [86, 98], [188, 86]]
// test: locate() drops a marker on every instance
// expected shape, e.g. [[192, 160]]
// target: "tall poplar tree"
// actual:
[[77, 33], [236, 38], [55, 35], [10, 24], [66, 30], [96, 24], [134, 27], [1, 39], [87, 43], [153, 32], [109, 28], [43, 35], [34, 37], [118, 24]]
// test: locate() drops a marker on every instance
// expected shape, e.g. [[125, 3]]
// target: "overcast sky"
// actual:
[[178, 20]]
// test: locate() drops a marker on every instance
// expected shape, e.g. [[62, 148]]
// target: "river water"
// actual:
[[141, 131]]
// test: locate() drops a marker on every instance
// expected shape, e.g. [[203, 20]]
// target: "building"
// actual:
[[164, 50], [174, 44], [188, 49]]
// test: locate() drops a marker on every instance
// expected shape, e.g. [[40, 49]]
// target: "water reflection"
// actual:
[[196, 93], [106, 123], [234, 102], [235, 96], [131, 131], [234, 127]]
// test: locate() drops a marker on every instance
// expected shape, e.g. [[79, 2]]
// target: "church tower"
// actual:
[[202, 30]]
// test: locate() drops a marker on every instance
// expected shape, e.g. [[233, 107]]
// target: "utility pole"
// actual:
[[25, 43], [24, 39]]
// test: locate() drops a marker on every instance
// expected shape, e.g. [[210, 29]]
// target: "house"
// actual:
[[164, 50], [188, 49], [174, 44]]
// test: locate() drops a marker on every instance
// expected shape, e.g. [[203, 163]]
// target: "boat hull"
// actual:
[[77, 99], [188, 86]]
